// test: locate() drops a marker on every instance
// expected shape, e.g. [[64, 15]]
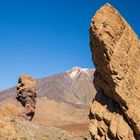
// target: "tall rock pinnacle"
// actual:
[[26, 95], [115, 111]]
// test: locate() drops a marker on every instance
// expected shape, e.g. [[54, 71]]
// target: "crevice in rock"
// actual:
[[115, 109]]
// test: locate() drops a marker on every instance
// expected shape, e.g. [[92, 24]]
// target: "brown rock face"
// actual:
[[115, 111], [26, 95], [7, 131]]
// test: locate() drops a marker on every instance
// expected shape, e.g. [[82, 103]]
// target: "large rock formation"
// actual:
[[26, 94], [115, 111]]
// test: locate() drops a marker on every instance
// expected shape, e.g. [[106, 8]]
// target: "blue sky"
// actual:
[[45, 37]]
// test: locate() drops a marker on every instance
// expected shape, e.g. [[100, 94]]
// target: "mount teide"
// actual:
[[72, 87]]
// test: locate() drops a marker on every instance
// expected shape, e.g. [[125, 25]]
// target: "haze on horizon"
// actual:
[[45, 37]]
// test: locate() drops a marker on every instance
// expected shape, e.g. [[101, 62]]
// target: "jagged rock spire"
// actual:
[[115, 112], [26, 95]]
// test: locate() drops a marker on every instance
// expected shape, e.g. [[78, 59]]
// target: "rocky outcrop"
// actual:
[[8, 110], [26, 94], [115, 111], [7, 131]]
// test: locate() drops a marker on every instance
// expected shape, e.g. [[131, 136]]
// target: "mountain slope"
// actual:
[[72, 87]]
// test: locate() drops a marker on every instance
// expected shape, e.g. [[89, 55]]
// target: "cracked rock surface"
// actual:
[[115, 111]]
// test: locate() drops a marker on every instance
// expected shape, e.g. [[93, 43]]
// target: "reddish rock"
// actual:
[[26, 95]]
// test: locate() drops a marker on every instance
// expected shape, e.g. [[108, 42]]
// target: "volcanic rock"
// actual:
[[26, 94], [115, 111]]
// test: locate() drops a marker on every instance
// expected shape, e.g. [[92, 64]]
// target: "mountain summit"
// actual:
[[75, 71]]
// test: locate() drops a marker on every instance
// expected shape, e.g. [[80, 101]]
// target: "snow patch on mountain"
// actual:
[[75, 71]]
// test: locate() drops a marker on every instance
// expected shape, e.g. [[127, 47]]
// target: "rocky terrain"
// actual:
[[14, 127], [61, 112], [115, 111], [63, 100]]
